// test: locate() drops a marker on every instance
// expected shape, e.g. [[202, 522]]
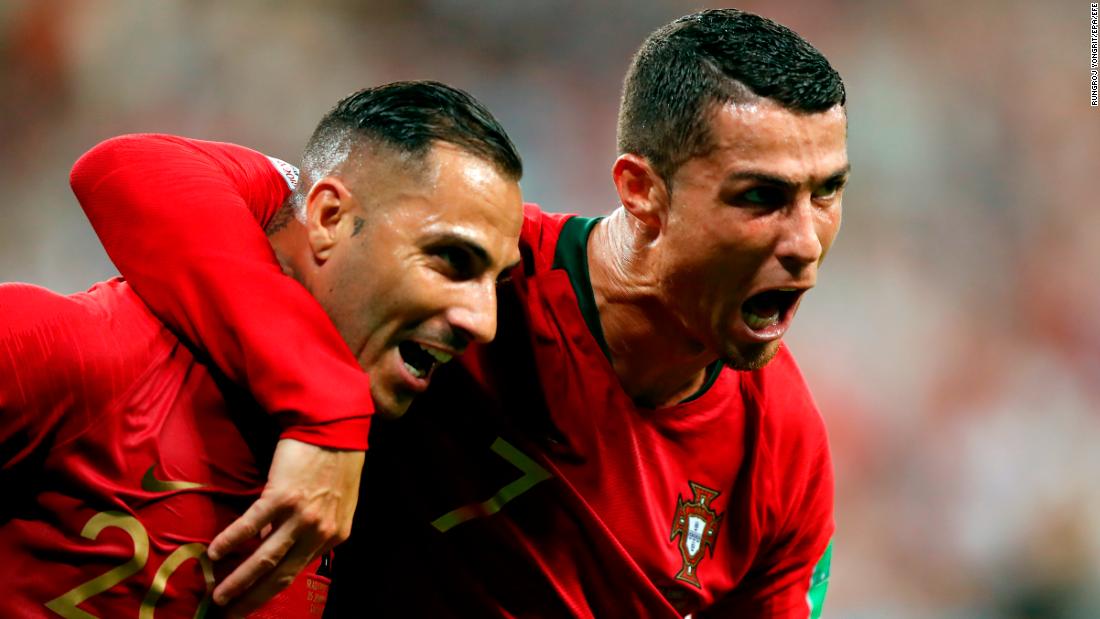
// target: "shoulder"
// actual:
[[23, 304], [49, 340], [104, 305], [539, 237], [30, 308]]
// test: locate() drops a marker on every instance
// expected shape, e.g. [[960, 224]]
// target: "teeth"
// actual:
[[787, 289], [438, 355], [759, 322], [415, 372]]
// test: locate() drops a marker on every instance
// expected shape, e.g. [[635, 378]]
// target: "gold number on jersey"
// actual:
[[169, 567], [66, 604], [532, 475]]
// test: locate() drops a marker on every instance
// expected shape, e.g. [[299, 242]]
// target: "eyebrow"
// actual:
[[470, 244], [458, 238], [783, 181]]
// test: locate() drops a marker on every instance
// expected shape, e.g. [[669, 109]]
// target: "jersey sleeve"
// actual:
[[181, 219]]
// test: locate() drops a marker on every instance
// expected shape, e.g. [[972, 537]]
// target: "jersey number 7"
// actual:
[[532, 474]]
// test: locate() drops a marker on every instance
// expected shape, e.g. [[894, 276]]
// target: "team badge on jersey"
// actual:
[[696, 524]]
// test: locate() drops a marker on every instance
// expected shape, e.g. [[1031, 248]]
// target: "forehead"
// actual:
[[460, 194], [765, 137]]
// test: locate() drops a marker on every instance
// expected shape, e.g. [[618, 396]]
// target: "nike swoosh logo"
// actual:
[[150, 483]]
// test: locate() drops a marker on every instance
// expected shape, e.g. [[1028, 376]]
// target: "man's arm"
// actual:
[[179, 219]]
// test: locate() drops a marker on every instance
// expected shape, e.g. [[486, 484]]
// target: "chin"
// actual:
[[389, 405], [747, 358]]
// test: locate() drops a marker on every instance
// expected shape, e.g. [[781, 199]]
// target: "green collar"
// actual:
[[571, 254]]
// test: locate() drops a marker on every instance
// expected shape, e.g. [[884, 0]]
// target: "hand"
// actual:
[[307, 505]]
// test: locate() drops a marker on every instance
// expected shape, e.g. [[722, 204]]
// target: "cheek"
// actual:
[[703, 282], [827, 229], [372, 290], [421, 293], [341, 291], [712, 266]]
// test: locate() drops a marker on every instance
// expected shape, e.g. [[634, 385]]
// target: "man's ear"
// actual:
[[328, 205], [642, 192]]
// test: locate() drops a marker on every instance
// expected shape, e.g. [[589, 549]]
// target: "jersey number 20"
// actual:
[[66, 604]]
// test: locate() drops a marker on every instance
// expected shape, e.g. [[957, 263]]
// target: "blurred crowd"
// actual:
[[953, 342]]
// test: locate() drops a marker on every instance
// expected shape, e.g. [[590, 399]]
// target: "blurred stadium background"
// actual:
[[954, 342]]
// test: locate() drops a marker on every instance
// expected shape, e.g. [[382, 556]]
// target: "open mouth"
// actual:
[[421, 360], [765, 310]]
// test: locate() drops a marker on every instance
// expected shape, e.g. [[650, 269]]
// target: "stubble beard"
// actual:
[[750, 358]]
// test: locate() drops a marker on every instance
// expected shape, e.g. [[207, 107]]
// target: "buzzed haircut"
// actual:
[[715, 57], [407, 118]]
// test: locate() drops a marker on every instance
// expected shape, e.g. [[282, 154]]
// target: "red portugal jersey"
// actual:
[[526, 483], [123, 452], [121, 456]]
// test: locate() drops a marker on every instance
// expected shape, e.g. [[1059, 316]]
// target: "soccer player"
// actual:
[[124, 450], [637, 441]]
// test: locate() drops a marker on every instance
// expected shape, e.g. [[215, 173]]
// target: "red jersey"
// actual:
[[123, 452], [121, 456], [525, 482]]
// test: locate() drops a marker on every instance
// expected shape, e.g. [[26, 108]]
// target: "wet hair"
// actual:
[[714, 57], [406, 118]]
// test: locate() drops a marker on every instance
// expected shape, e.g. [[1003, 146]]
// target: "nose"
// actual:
[[475, 315], [799, 244]]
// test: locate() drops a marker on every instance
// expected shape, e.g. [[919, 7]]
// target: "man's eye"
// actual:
[[827, 191], [763, 196], [457, 263]]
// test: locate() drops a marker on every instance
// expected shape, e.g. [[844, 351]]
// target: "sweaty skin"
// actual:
[[672, 270], [406, 257]]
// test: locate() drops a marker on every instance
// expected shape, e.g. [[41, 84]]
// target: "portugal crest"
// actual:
[[696, 524]]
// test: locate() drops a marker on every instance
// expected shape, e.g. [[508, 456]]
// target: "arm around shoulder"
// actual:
[[181, 218]]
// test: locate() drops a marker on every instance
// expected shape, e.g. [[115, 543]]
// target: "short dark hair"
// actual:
[[407, 117], [410, 116], [715, 57]]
